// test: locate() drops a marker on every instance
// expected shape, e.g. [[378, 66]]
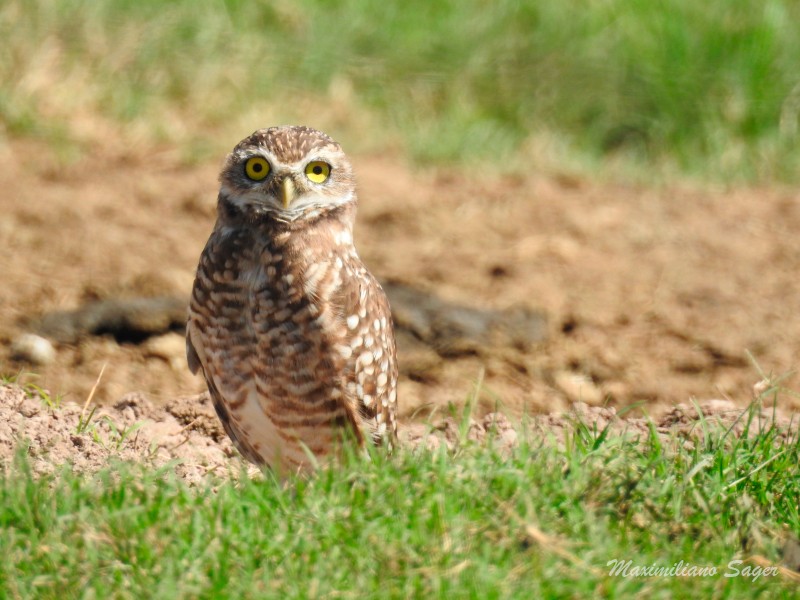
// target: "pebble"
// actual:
[[170, 347], [33, 349], [578, 388]]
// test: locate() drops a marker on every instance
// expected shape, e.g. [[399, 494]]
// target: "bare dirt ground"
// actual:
[[653, 296], [185, 434]]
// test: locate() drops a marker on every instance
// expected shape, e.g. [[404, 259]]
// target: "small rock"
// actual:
[[578, 388], [33, 349], [198, 413], [137, 402], [687, 413], [128, 415], [416, 435], [170, 347], [29, 408], [452, 431], [498, 425]]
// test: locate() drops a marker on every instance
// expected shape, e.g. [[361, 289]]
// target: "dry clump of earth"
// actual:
[[186, 432]]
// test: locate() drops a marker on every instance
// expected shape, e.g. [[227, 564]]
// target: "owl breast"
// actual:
[[277, 329]]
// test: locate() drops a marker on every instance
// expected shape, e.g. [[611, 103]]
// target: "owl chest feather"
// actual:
[[290, 312]]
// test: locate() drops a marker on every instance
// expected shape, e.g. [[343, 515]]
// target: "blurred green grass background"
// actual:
[[707, 90]]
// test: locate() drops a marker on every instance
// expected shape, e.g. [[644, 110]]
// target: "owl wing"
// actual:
[[195, 365], [203, 314], [370, 375]]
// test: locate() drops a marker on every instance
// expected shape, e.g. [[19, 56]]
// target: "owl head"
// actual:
[[287, 173]]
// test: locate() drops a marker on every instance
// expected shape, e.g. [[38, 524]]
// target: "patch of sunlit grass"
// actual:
[[699, 89]]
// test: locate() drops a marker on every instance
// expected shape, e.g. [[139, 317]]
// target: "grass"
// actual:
[[706, 90], [544, 522]]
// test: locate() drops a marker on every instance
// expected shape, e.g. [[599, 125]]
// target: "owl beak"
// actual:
[[287, 192]]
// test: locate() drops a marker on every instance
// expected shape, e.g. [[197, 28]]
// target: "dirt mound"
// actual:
[[186, 431], [131, 430]]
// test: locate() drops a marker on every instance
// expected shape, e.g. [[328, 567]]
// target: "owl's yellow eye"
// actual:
[[318, 171], [256, 168]]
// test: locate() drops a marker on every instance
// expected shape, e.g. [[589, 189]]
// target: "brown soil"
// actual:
[[653, 295], [186, 432]]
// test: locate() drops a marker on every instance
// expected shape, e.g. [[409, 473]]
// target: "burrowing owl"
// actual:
[[294, 336]]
